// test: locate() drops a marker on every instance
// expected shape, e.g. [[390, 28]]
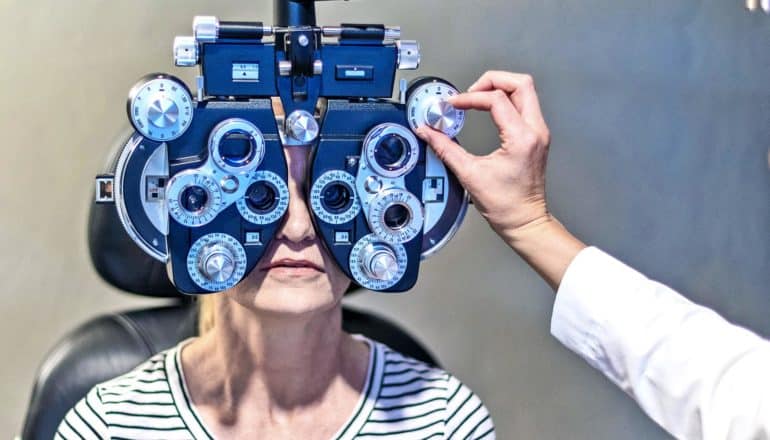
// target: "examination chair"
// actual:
[[110, 345]]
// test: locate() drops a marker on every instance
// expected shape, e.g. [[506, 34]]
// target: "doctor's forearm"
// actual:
[[547, 246]]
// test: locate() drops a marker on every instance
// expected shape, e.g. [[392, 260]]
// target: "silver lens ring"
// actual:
[[396, 216], [346, 182], [202, 189], [281, 195], [384, 142], [240, 163]]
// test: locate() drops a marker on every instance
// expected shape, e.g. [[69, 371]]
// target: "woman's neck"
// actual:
[[276, 364]]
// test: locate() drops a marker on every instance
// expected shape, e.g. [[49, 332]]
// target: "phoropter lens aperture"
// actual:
[[391, 151], [194, 199], [236, 148], [261, 197], [397, 216], [337, 197]]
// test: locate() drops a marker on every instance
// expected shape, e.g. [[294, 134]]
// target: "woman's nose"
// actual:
[[297, 225]]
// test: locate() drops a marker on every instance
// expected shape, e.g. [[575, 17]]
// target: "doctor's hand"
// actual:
[[508, 185]]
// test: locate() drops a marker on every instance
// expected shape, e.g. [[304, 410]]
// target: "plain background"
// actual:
[[659, 115]]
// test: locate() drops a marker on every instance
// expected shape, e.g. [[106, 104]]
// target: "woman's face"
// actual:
[[296, 275]]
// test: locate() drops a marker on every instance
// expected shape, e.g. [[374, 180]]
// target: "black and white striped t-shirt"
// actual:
[[403, 398]]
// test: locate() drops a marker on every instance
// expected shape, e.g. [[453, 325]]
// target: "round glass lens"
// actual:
[[261, 197], [336, 197], [194, 198], [236, 149], [391, 151], [397, 216]]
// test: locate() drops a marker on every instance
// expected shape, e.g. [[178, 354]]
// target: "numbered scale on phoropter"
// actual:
[[160, 107], [427, 105], [377, 265], [216, 262]]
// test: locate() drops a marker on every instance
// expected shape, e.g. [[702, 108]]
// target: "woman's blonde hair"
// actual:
[[205, 314]]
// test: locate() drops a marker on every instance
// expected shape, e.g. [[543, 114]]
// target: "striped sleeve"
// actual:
[[85, 420], [466, 416]]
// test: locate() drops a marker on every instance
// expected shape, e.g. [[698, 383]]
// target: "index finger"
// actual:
[[504, 114], [520, 87]]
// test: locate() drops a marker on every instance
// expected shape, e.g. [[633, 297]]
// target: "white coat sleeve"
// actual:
[[691, 371]]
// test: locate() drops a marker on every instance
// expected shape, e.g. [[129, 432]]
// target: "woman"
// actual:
[[272, 361]]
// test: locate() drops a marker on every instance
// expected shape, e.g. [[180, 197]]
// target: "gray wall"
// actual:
[[659, 115]]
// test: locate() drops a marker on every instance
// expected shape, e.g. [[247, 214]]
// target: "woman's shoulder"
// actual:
[[129, 402], [149, 377], [416, 397]]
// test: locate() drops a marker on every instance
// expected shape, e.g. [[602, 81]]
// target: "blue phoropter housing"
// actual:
[[201, 184]]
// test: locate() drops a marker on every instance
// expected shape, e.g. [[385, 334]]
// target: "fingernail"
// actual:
[[470, 89], [420, 132]]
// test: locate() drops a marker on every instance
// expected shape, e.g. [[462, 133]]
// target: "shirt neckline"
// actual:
[[352, 426]]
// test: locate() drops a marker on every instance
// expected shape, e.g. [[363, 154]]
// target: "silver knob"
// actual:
[[301, 126], [217, 263], [185, 51], [372, 184], [163, 112], [206, 28], [441, 115], [408, 54], [380, 262]]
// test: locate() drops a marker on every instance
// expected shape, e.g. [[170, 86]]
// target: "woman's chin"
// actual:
[[291, 292]]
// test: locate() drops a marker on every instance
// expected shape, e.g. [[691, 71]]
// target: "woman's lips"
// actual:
[[293, 266]]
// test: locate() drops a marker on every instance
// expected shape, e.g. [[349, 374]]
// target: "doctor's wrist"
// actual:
[[547, 246]]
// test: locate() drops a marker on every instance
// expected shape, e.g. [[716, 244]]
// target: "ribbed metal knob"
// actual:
[[441, 115], [206, 28], [217, 264], [163, 112], [302, 127], [380, 262]]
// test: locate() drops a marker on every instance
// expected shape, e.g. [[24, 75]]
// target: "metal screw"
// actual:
[[303, 40]]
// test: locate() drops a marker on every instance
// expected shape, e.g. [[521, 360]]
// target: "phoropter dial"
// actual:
[[396, 215], [216, 262], [266, 199], [377, 265], [194, 199], [160, 107], [333, 197], [427, 105]]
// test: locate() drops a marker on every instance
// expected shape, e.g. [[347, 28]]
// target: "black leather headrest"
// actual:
[[116, 258], [119, 261]]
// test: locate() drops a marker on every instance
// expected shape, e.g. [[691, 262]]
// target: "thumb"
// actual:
[[455, 157]]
